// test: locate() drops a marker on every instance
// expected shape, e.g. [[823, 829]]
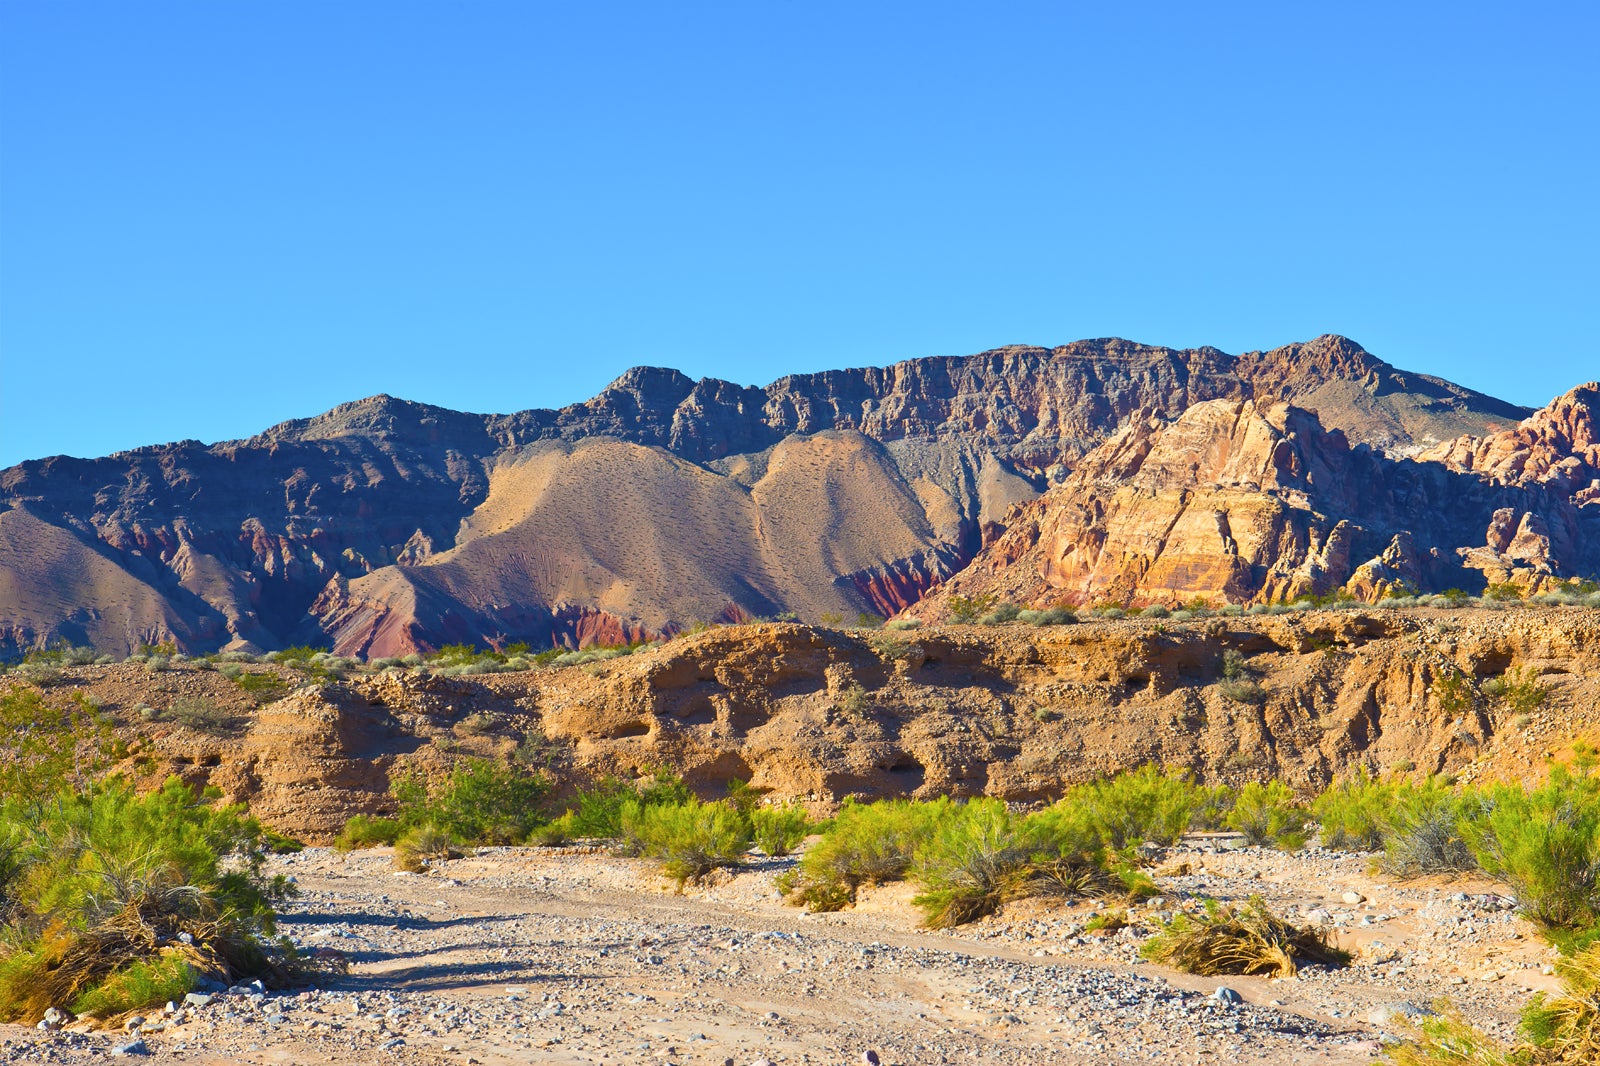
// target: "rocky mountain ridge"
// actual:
[[1241, 501], [383, 526]]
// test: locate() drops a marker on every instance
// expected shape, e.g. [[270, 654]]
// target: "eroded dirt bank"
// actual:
[[1011, 711]]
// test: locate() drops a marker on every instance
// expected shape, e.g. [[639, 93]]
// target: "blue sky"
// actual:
[[217, 216]]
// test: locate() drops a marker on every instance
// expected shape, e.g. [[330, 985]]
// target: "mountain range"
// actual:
[[1101, 469]]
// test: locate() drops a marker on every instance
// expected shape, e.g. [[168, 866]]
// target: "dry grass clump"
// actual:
[[1558, 1030], [1566, 1028], [1248, 940]]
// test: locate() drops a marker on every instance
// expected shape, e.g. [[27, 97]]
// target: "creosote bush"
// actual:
[[868, 843], [366, 831], [597, 812], [779, 830], [1423, 830], [689, 839], [1147, 804], [1354, 813], [1269, 814], [117, 901], [201, 715], [1546, 845]]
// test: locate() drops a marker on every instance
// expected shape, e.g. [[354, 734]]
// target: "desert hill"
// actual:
[[818, 714], [383, 526]]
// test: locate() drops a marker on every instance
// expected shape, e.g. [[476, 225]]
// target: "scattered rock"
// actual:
[[1400, 1010]]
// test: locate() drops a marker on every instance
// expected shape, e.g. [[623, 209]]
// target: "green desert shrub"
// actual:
[[1147, 804], [366, 831], [116, 900], [868, 843], [1354, 814], [1269, 814], [965, 863], [201, 715], [689, 839], [422, 844], [967, 859], [481, 802], [265, 687], [40, 674], [900, 624], [1001, 614], [779, 830], [966, 609], [1052, 616], [1520, 690], [597, 812], [1423, 830], [1545, 844]]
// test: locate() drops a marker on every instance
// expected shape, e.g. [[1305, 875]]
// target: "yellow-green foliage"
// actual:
[[1546, 845], [481, 802], [420, 845], [963, 866], [967, 859], [265, 686], [868, 843], [688, 839], [49, 746], [1520, 690], [1144, 804], [1354, 813], [365, 831], [597, 811], [1566, 1027], [100, 884], [779, 830], [1423, 831], [140, 984], [1450, 1040], [1269, 814], [1557, 1030]]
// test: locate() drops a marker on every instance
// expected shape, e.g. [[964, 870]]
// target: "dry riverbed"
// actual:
[[522, 955]]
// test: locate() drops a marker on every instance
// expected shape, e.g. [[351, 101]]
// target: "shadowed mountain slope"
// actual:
[[385, 525]]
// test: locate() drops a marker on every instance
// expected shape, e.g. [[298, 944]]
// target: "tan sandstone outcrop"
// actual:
[[819, 714]]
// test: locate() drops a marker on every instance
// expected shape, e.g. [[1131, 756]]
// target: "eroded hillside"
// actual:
[[382, 526], [820, 714]]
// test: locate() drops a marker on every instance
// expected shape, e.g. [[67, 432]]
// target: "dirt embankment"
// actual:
[[1011, 711]]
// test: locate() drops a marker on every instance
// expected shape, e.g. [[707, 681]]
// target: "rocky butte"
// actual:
[[1097, 469]]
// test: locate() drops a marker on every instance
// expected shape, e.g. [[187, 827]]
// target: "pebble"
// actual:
[[132, 1048]]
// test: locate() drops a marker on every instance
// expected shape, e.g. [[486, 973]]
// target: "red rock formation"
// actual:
[[1239, 502]]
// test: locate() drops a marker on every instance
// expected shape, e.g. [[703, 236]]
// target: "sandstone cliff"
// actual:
[[1239, 502], [818, 714]]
